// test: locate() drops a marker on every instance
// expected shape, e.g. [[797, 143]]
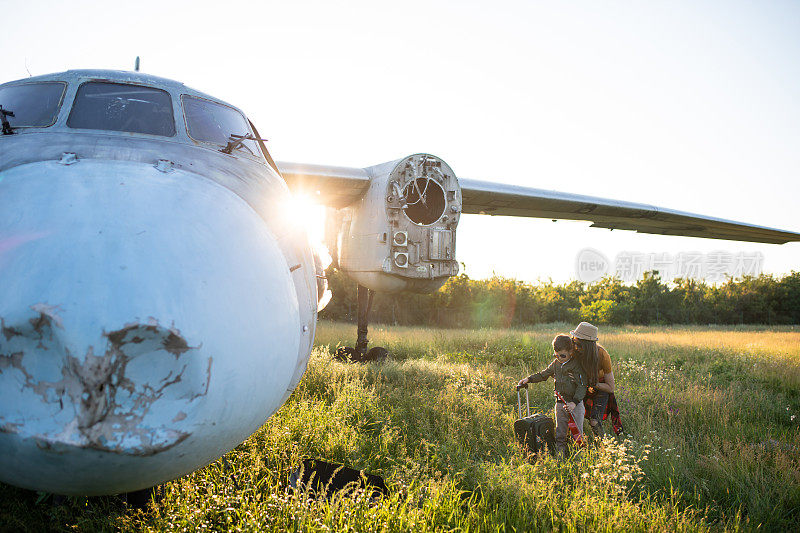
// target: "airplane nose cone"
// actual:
[[148, 324]]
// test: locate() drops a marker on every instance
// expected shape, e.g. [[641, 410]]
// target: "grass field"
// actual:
[[712, 416]]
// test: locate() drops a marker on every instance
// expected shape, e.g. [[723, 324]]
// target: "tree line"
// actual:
[[503, 302]]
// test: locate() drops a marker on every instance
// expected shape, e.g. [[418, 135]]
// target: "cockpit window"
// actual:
[[101, 105], [34, 105], [219, 124]]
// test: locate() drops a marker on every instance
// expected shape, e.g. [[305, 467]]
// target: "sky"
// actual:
[[689, 105]]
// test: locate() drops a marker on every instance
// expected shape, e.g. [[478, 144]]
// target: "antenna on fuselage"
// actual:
[[136, 65]]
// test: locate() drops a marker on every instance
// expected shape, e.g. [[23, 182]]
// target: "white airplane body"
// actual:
[[157, 307]]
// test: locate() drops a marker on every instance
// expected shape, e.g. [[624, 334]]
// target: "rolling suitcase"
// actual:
[[536, 432]]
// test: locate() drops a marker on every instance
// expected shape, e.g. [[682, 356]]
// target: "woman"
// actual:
[[596, 364]]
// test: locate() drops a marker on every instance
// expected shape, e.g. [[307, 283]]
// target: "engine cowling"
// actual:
[[401, 235]]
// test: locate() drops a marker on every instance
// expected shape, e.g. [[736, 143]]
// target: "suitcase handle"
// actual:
[[527, 402]]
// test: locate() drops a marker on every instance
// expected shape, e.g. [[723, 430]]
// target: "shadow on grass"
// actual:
[[26, 510]]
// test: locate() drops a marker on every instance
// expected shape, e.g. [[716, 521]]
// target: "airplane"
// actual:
[[157, 305]]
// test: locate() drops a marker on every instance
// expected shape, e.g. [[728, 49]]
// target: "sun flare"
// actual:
[[306, 213], [303, 212]]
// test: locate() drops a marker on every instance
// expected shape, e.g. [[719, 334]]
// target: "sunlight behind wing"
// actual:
[[306, 213]]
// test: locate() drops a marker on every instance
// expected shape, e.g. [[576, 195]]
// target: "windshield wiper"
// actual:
[[7, 129], [237, 141]]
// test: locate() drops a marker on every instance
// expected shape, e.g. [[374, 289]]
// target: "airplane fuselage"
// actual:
[[156, 304]]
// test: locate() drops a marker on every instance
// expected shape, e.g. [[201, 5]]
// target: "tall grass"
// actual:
[[711, 414]]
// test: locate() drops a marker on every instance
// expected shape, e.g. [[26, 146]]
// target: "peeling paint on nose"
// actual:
[[105, 395], [148, 329]]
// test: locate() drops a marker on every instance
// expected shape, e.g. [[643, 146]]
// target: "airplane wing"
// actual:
[[334, 186], [497, 199], [341, 186]]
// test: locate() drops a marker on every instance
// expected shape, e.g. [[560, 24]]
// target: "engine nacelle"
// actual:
[[401, 235]]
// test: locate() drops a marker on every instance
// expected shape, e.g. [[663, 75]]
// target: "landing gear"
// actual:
[[360, 354]]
